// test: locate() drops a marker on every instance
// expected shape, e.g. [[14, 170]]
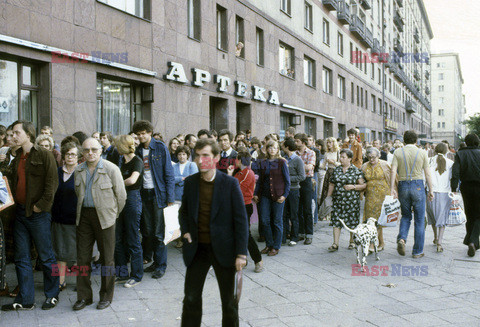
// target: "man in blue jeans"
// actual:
[[158, 191], [411, 163], [33, 218]]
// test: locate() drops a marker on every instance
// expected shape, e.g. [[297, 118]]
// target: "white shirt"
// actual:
[[227, 153], [182, 167], [389, 157], [440, 183], [147, 173]]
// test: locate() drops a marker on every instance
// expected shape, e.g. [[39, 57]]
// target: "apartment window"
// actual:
[[373, 71], [340, 44], [222, 30], [441, 112], [365, 64], [239, 37], [260, 47], [309, 71], [440, 76], [358, 95], [361, 97], [403, 120], [441, 99], [285, 6], [326, 32], [379, 76], [438, 124], [351, 53], [327, 80], [443, 124], [308, 16], [341, 87], [311, 127], [342, 131], [194, 19], [380, 112], [140, 8], [441, 88], [366, 99], [286, 60], [374, 103], [352, 91], [357, 55]]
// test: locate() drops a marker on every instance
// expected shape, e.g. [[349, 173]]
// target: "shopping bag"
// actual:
[[6, 197], [390, 213], [172, 227], [456, 215]]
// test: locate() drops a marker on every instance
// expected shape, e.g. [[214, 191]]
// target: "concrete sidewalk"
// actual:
[[302, 286]]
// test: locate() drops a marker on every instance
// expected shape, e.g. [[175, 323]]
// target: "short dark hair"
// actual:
[[472, 140], [207, 142], [289, 143], [226, 132], [348, 152], [188, 137], [142, 125], [204, 132], [68, 146], [159, 135], [302, 137], [28, 127], [214, 133], [244, 156], [255, 140], [81, 136], [410, 137], [108, 135], [182, 148], [352, 131], [320, 143], [69, 139]]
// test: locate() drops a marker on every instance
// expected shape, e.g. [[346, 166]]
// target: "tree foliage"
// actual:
[[473, 124]]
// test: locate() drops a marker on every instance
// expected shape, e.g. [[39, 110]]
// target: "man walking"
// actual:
[[158, 191], [101, 197], [214, 223], [34, 182], [411, 162]]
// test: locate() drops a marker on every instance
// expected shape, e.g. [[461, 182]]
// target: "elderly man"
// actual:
[[101, 196]]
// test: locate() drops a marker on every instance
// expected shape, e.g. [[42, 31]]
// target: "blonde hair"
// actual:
[[125, 144], [43, 137], [334, 142], [269, 145]]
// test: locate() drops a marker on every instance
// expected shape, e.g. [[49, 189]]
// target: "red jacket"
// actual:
[[246, 178]]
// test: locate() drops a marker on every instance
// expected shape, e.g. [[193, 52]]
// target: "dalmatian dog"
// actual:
[[364, 235]]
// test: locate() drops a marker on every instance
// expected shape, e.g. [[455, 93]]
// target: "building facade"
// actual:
[[449, 102], [239, 64]]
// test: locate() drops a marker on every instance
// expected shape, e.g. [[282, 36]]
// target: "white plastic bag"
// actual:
[[456, 216], [391, 212], [172, 227]]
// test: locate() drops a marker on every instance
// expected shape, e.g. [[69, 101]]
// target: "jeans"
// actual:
[[471, 199], [35, 228], [314, 197], [194, 282], [291, 215], [153, 231], [411, 195], [273, 238], [305, 217], [127, 237]]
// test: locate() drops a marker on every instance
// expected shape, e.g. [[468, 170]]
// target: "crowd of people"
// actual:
[[99, 199]]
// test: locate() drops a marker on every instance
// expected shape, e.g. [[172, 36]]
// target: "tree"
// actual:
[[473, 124]]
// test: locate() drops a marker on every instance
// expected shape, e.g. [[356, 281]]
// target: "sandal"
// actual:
[[333, 248], [439, 248], [380, 248], [351, 246]]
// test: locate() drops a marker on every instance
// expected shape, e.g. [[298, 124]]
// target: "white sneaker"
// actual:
[[131, 283], [292, 243], [258, 267]]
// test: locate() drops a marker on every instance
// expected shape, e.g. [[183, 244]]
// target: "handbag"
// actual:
[[456, 215], [390, 213]]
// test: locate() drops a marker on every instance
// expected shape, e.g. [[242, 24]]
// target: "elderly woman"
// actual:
[[46, 142], [344, 189], [377, 175], [64, 211], [330, 162], [172, 148]]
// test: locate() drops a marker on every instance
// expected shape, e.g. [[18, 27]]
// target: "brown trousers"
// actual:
[[89, 230]]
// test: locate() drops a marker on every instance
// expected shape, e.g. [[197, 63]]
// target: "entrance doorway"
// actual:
[[244, 117], [218, 113]]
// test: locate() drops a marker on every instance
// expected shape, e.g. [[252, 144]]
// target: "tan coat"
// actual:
[[357, 159], [108, 191]]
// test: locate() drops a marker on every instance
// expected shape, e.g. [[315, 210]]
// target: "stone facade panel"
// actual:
[[85, 13]]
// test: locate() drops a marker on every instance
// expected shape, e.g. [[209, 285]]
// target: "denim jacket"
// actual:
[[162, 172]]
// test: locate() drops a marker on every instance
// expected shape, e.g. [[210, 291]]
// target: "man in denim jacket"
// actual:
[[158, 191]]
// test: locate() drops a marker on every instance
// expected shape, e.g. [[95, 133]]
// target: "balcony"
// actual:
[[376, 46], [427, 74], [357, 27], [416, 36], [410, 106], [416, 74], [366, 4], [400, 3], [343, 12], [369, 37], [398, 21], [427, 90], [330, 4], [397, 46]]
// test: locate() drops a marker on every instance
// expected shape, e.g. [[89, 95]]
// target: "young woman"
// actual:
[[331, 160], [172, 148]]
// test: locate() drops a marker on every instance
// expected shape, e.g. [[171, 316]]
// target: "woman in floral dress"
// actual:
[[346, 183]]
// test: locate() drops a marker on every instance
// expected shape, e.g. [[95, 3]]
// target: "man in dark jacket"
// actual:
[[34, 182], [214, 223], [228, 155], [109, 151], [466, 169]]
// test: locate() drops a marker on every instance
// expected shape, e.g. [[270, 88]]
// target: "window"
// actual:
[[239, 37], [341, 87], [379, 76], [194, 19], [438, 124], [443, 124], [441, 88], [373, 71], [380, 112], [403, 120], [327, 129], [342, 131], [361, 97], [441, 99], [286, 60], [366, 99], [358, 95], [358, 55], [118, 106], [441, 112], [308, 16], [260, 47], [311, 127], [140, 8], [285, 6], [374, 103], [309, 71], [340, 44], [352, 91], [326, 32], [222, 31], [351, 53], [440, 76], [327, 80]]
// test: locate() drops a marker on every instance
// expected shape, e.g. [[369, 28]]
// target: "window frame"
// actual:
[[147, 9], [341, 90], [260, 51], [326, 32], [327, 80], [194, 20], [286, 48], [286, 7], [308, 19], [340, 49], [312, 71], [222, 28], [240, 35]]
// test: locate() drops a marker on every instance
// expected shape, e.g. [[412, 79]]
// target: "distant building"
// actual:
[[448, 99]]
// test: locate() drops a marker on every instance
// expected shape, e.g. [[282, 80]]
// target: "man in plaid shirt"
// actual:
[[305, 214]]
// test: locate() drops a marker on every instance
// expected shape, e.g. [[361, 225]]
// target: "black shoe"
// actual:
[[150, 268], [80, 304], [50, 303], [17, 306], [158, 274], [103, 305], [308, 241], [471, 250]]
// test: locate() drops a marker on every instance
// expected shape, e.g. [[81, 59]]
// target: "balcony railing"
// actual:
[[397, 46], [330, 4], [416, 74], [427, 74], [400, 3], [410, 106], [427, 90], [369, 37], [398, 21], [376, 46], [416, 36], [343, 12], [357, 27], [365, 4]]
